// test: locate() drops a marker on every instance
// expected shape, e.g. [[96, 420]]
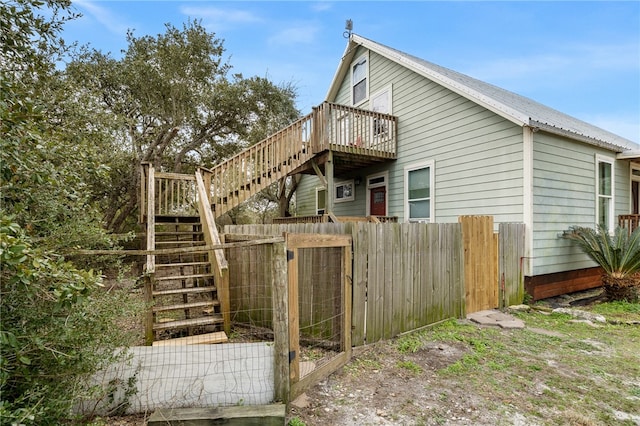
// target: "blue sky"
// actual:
[[582, 58]]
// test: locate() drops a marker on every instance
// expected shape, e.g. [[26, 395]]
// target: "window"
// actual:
[[344, 191], [359, 74], [419, 205], [604, 192], [320, 200], [635, 189]]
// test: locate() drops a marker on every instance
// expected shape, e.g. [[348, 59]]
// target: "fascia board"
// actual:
[[343, 67]]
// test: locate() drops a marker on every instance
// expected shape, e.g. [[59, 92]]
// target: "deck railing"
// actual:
[[329, 126], [174, 194], [629, 221]]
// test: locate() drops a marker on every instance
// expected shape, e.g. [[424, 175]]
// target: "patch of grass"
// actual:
[[360, 365], [296, 422], [582, 372], [621, 310], [409, 344], [410, 366]]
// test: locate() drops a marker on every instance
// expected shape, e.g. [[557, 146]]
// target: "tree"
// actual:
[[56, 327], [170, 101]]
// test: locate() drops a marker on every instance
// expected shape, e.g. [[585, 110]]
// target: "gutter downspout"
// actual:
[[527, 208]]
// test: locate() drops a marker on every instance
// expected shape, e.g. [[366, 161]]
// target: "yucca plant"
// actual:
[[618, 255]]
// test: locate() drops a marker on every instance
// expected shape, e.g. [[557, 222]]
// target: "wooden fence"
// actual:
[[409, 275]]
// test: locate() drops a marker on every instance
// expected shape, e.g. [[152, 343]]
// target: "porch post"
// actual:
[[328, 172]]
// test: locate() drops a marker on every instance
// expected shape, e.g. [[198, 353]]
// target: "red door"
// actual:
[[377, 201]]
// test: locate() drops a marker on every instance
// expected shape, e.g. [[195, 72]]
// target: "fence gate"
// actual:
[[319, 284], [480, 263]]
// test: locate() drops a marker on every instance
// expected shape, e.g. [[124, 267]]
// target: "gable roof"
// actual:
[[513, 107]]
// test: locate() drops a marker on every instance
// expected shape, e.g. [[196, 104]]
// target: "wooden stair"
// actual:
[[184, 293]]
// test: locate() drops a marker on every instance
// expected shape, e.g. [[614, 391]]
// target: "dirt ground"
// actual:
[[451, 378]]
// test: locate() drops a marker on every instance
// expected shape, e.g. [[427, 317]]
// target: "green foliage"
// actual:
[[617, 254], [295, 421], [409, 344], [171, 101], [410, 366], [57, 329]]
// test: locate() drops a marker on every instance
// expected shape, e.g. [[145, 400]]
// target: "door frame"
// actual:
[[369, 186], [633, 178]]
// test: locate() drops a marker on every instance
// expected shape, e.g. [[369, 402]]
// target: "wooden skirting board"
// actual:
[[258, 415], [200, 339], [550, 285]]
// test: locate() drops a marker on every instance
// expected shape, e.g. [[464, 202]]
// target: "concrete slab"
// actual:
[[495, 318]]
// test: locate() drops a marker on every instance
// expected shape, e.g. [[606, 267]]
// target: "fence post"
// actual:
[[148, 300], [280, 305]]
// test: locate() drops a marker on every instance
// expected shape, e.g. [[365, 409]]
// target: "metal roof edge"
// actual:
[[630, 154], [577, 136]]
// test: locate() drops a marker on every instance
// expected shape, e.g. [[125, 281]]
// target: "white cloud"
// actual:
[[113, 23], [569, 61], [302, 33], [625, 126], [321, 6], [219, 19]]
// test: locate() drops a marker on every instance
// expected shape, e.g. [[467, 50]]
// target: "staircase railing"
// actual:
[[217, 259], [329, 126]]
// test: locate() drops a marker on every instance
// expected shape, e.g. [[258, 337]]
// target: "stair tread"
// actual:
[[194, 243], [186, 290], [178, 233], [191, 322], [184, 277], [177, 265], [198, 339], [186, 306]]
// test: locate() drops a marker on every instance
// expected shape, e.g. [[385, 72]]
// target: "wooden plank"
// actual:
[[180, 250], [252, 415], [359, 284], [396, 281], [294, 317], [280, 312], [200, 339], [347, 279]]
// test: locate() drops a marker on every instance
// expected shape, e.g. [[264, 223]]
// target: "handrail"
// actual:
[[150, 223], [217, 259], [629, 221], [328, 127]]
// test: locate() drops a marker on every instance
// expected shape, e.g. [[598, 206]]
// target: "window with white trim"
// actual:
[[419, 185], [359, 77], [344, 191], [605, 192], [320, 200]]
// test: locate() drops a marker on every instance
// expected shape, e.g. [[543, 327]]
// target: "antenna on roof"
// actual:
[[348, 26]]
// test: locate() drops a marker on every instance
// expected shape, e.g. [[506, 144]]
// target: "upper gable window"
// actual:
[[359, 77]]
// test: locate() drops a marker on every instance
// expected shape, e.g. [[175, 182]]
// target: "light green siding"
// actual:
[[564, 181], [479, 166], [477, 154]]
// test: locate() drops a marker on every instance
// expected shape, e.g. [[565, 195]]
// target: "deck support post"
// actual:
[[328, 171]]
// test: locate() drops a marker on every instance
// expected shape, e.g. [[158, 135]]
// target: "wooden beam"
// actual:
[[316, 169], [280, 305], [180, 250]]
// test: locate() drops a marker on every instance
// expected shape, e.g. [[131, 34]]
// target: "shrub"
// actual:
[[618, 255], [57, 329]]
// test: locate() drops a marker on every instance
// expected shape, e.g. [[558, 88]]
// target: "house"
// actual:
[[466, 147]]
